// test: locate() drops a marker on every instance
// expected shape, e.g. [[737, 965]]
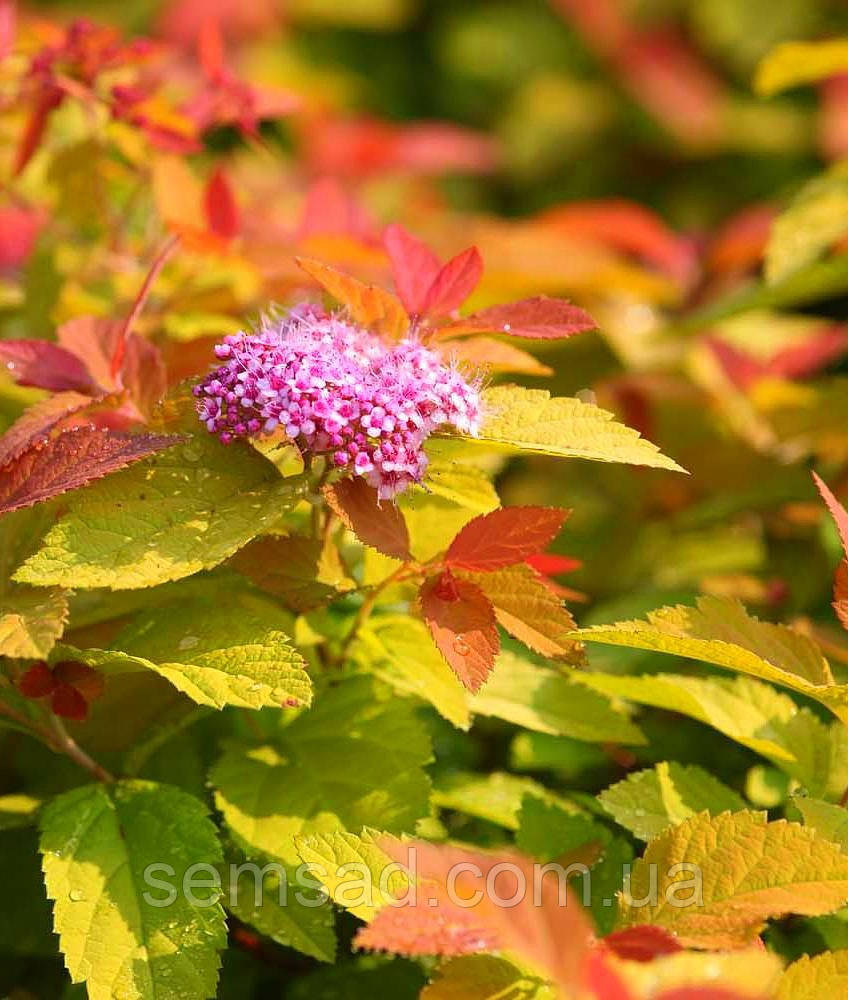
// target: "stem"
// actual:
[[367, 606], [159, 262], [68, 745]]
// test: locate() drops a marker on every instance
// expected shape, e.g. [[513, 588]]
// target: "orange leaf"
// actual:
[[539, 318], [705, 993], [379, 524], [530, 611], [448, 930], [454, 283], [368, 305], [504, 537], [71, 460], [414, 267], [461, 620], [288, 568], [542, 925], [219, 203]]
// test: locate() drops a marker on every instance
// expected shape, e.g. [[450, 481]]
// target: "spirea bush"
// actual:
[[356, 637]]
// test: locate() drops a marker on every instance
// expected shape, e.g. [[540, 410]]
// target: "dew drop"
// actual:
[[188, 642], [460, 646], [76, 895]]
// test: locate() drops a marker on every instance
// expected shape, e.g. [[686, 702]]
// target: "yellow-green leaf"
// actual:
[[518, 419], [719, 630], [826, 975], [718, 879], [187, 509]]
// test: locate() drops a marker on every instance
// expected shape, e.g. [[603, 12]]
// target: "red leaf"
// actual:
[[93, 340], [143, 374], [705, 993], [7, 27], [210, 47], [414, 267], [461, 620], [542, 925], [504, 537], [36, 422], [71, 460], [45, 365], [37, 682], [329, 209], [552, 565], [219, 203], [454, 283], [739, 244], [837, 511], [601, 979], [68, 703], [811, 355], [539, 318], [379, 524], [643, 943]]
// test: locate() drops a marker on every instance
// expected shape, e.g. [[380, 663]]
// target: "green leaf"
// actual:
[[185, 510], [340, 860], [355, 759], [717, 879], [485, 977], [547, 831], [550, 701], [263, 894], [825, 975], [399, 650], [496, 796], [97, 843], [232, 653], [792, 63], [648, 802], [531, 420], [814, 221], [720, 631], [828, 820]]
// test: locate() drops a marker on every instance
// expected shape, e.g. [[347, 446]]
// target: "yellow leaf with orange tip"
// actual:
[[369, 305]]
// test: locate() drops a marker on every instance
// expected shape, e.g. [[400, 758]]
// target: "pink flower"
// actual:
[[338, 390]]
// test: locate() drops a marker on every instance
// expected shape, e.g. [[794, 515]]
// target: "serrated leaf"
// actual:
[[70, 460], [485, 977], [539, 318], [825, 975], [648, 802], [813, 222], [504, 537], [792, 63], [37, 421], [549, 701], [749, 871], [267, 900], [527, 608], [186, 510], [218, 654], [532, 420], [340, 860], [720, 631], [97, 842], [368, 305], [398, 649], [353, 760], [377, 523], [461, 620]]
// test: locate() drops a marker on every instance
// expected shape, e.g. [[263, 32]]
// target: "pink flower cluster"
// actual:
[[336, 389]]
